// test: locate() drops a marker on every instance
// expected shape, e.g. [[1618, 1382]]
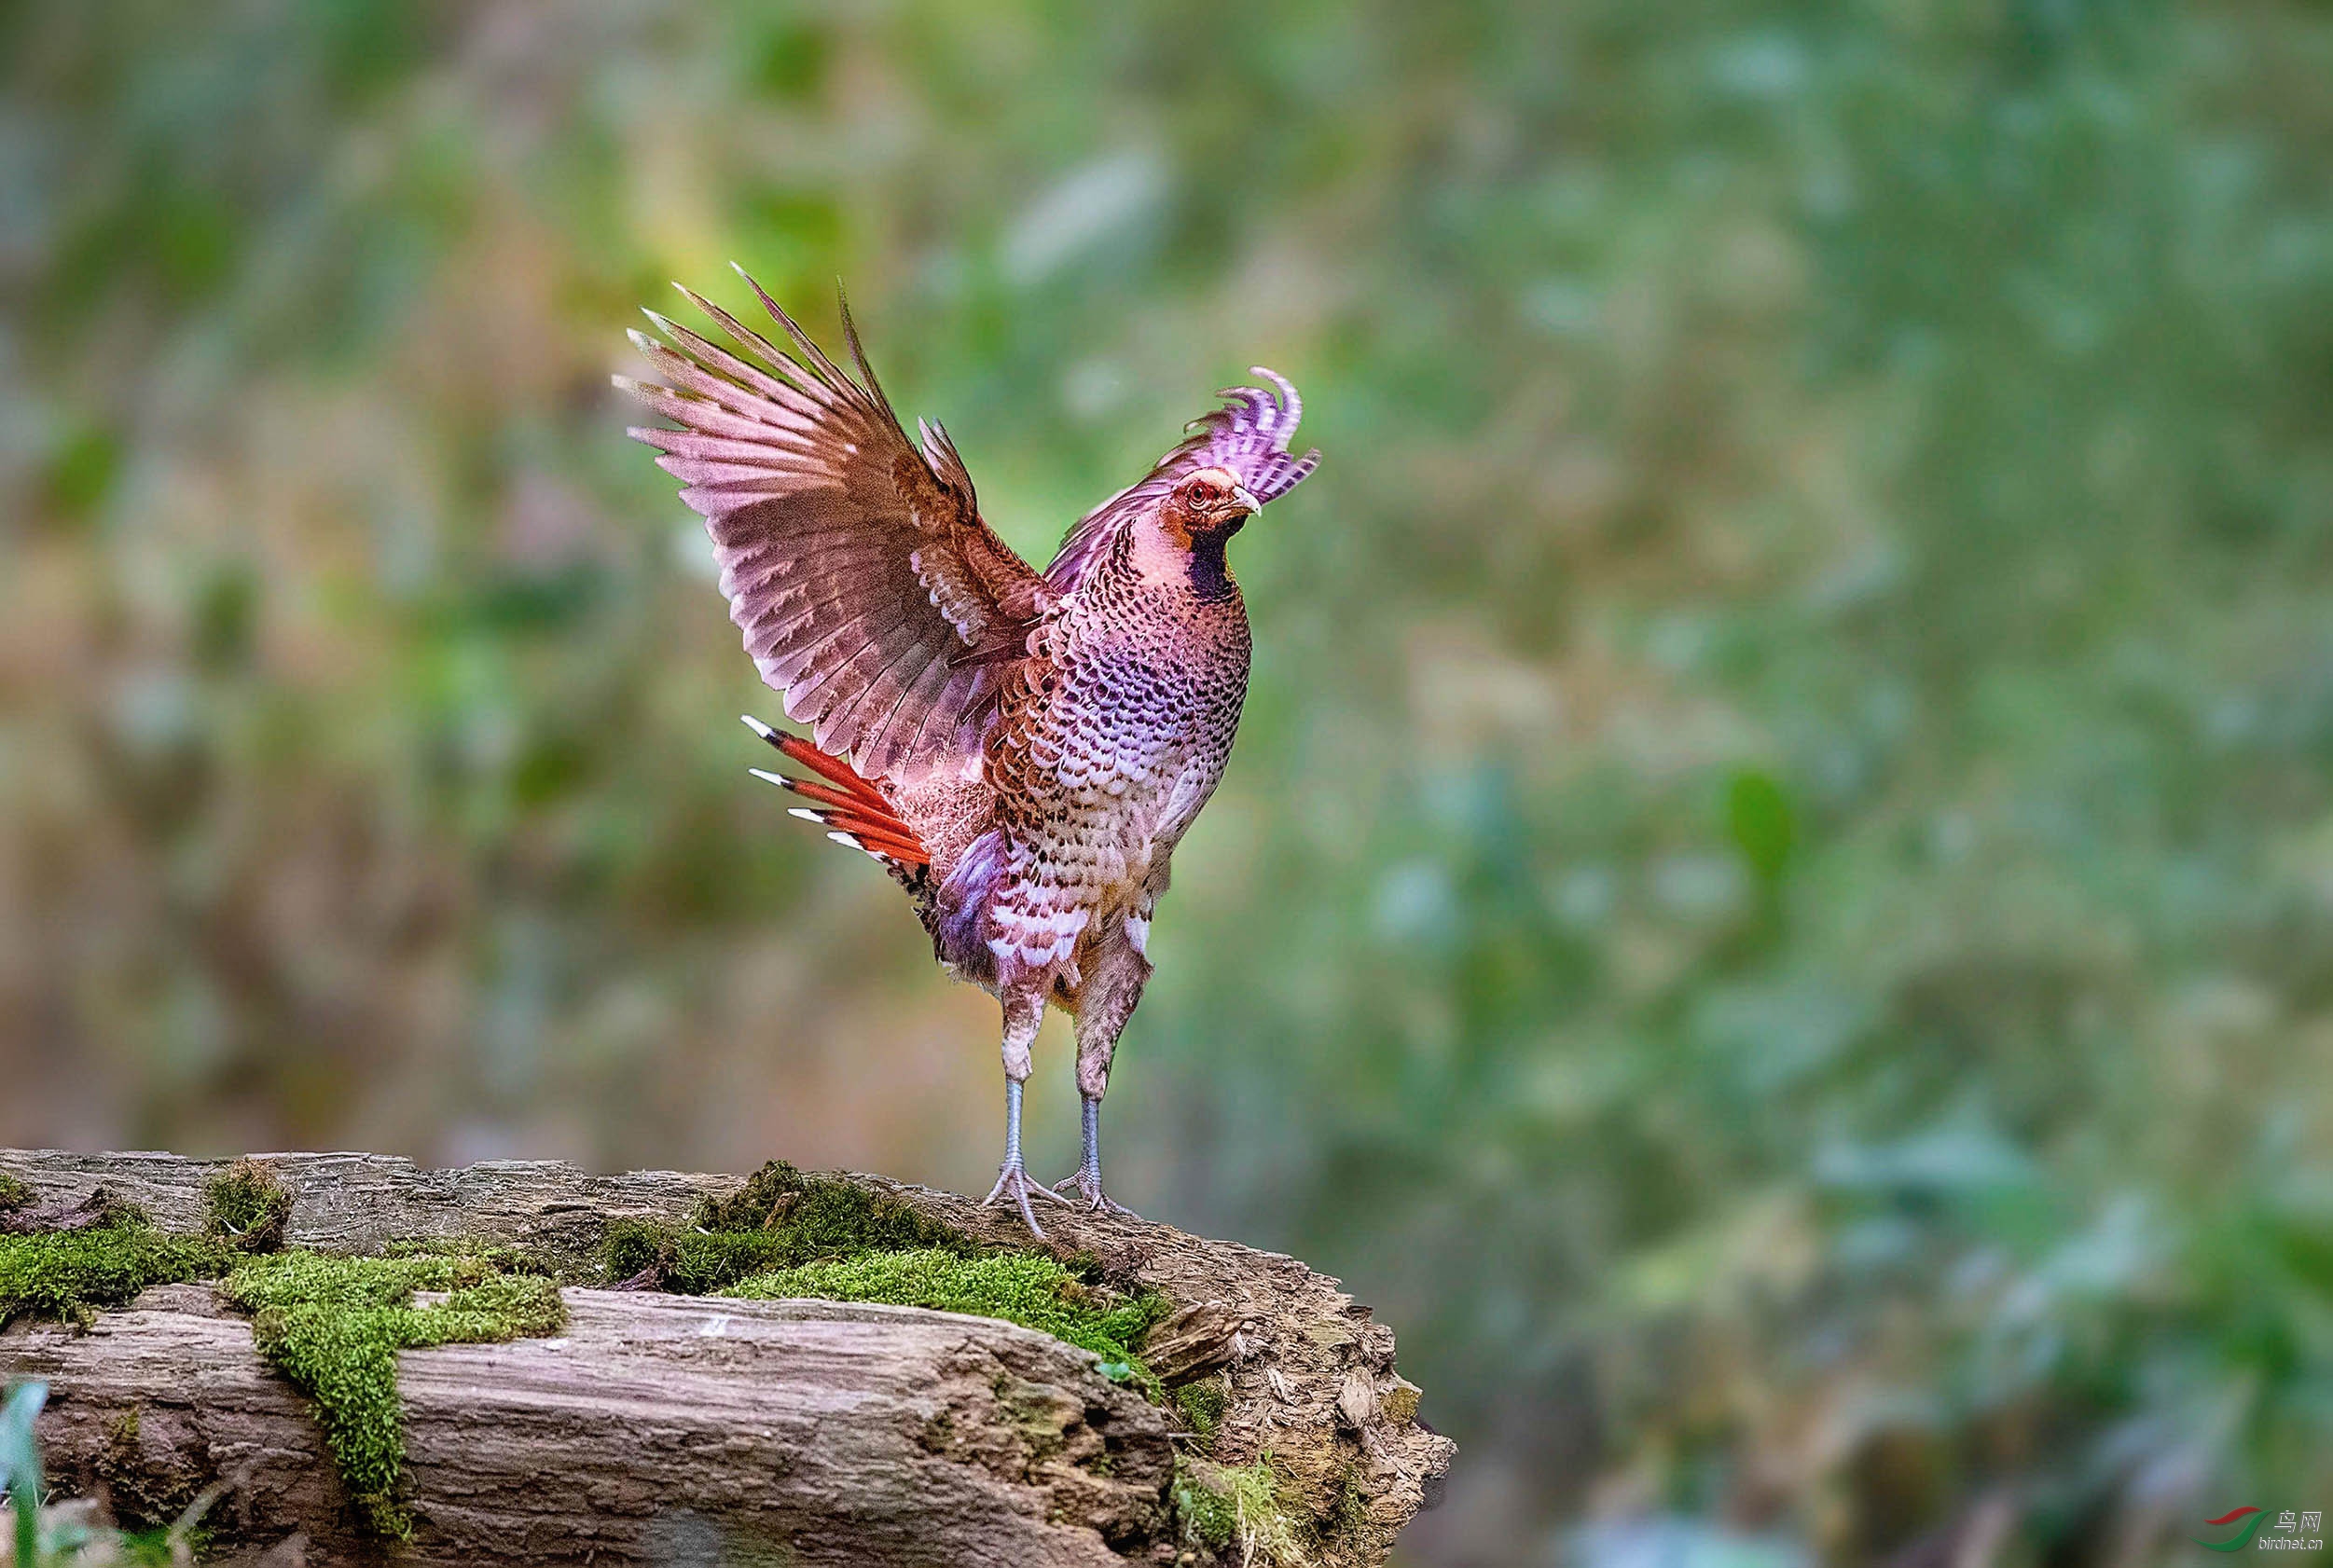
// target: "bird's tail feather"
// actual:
[[852, 810]]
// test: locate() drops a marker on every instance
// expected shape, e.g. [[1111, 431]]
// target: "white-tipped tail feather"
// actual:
[[854, 812]]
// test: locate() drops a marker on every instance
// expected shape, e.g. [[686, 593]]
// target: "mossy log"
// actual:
[[660, 1427]]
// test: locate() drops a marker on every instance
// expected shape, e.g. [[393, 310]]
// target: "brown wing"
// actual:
[[870, 593]]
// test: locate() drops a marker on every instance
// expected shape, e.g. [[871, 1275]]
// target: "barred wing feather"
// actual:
[[870, 593]]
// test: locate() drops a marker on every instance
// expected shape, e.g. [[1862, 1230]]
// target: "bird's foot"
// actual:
[[1014, 1186], [1089, 1188]]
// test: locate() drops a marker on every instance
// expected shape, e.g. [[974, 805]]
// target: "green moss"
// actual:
[[1207, 1515], [245, 1206], [69, 1274], [779, 1220], [334, 1327], [1202, 1405], [765, 1196], [694, 1262], [1029, 1289], [1219, 1506], [161, 1547], [785, 1233], [568, 1262], [137, 1491], [498, 1256], [824, 1215], [1352, 1504], [14, 1194]]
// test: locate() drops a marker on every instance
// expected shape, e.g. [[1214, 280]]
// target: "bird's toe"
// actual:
[[1014, 1186], [1089, 1193]]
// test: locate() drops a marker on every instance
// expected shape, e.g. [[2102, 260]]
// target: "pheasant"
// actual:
[[1021, 751]]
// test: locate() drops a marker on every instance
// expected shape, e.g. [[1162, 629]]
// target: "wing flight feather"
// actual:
[[868, 589]]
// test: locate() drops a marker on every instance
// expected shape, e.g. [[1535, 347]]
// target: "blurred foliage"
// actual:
[[1774, 906]]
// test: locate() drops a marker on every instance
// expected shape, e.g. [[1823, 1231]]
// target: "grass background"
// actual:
[[1774, 909]]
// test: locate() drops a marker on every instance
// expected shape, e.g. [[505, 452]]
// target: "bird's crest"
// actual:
[[1249, 436]]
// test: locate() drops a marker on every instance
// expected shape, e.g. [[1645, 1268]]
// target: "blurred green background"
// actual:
[[1774, 909]]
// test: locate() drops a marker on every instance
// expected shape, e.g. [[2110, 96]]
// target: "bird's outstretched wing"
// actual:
[[871, 594], [1249, 434]]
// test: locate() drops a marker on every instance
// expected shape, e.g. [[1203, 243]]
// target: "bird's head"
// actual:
[[1184, 539], [1207, 507]]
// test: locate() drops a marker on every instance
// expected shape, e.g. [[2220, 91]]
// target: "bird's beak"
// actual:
[[1249, 504]]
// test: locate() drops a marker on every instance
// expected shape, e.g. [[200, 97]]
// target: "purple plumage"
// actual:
[[1022, 751]]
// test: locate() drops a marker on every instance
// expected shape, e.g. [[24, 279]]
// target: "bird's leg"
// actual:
[[1088, 1180], [1022, 1015], [1089, 1143], [1114, 984], [1012, 1180]]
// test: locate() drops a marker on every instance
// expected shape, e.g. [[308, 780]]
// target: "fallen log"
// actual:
[[661, 1427]]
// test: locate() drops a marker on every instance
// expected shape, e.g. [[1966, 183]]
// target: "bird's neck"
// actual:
[[1208, 572], [1178, 562]]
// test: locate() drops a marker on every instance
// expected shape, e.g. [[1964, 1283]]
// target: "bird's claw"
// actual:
[[1012, 1183], [1089, 1188]]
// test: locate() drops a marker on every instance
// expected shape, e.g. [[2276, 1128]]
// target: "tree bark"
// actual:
[[663, 1428]]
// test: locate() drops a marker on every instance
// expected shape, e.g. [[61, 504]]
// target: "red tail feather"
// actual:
[[818, 762], [854, 807]]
